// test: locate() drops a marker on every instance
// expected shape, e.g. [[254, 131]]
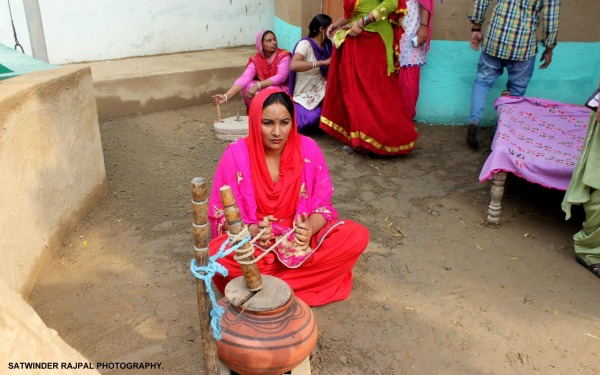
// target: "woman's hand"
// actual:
[[332, 29], [303, 231], [422, 34], [267, 235], [355, 29], [218, 99], [326, 61], [252, 91]]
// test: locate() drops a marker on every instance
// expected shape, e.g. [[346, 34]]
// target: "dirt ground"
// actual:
[[436, 292]]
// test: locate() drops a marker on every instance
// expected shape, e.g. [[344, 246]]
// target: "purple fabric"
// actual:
[[234, 170], [537, 139], [321, 53], [306, 119]]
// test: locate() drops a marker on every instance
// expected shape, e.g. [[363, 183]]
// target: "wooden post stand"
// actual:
[[200, 230]]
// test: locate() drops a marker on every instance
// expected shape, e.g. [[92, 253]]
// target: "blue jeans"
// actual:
[[489, 69]]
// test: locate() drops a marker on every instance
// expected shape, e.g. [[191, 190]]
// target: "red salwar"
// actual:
[[409, 81], [326, 276], [363, 106]]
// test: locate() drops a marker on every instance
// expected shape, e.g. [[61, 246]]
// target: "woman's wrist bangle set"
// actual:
[[225, 95]]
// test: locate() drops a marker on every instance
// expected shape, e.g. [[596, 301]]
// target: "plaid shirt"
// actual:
[[511, 32]]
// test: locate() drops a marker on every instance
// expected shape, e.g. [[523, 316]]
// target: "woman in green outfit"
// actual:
[[584, 189]]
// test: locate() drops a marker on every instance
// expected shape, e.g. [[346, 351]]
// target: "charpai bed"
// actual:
[[536, 139]]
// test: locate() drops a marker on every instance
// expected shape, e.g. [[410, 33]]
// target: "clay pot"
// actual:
[[266, 342]]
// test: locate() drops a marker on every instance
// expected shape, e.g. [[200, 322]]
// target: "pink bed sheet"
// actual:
[[537, 139]]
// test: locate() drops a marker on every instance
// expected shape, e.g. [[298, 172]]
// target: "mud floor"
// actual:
[[437, 291]]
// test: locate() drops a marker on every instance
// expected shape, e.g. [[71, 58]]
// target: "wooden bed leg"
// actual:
[[496, 192]]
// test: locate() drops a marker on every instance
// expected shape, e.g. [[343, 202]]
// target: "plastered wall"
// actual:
[[51, 166], [79, 31]]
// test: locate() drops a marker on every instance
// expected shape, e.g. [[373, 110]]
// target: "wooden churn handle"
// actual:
[[235, 225], [219, 113]]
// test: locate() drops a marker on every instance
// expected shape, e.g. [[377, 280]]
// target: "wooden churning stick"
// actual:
[[200, 230], [235, 225], [219, 113]]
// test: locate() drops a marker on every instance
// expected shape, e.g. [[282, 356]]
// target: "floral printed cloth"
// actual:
[[537, 139]]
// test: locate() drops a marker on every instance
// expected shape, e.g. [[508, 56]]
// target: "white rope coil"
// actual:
[[241, 253]]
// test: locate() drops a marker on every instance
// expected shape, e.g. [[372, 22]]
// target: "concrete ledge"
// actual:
[[157, 83]]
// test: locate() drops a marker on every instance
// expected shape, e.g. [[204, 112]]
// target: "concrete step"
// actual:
[[156, 83]]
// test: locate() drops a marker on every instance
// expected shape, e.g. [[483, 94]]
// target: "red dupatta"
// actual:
[[280, 198], [349, 8]]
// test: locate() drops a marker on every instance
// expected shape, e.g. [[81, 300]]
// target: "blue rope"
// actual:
[[206, 274]]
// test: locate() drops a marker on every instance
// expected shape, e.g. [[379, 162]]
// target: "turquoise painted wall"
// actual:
[[287, 35], [448, 77]]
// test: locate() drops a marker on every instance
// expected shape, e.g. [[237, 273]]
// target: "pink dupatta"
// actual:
[[428, 4]]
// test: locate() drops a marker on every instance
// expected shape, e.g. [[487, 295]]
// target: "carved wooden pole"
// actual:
[[496, 193], [235, 225], [200, 230]]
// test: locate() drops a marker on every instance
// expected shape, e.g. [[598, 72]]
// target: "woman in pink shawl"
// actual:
[[281, 183], [269, 67], [414, 45]]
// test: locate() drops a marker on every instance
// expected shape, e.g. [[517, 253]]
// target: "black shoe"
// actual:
[[473, 136], [593, 268]]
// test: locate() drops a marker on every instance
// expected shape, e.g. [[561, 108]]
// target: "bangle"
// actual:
[[475, 29], [314, 64], [422, 24], [366, 20], [225, 95], [259, 86]]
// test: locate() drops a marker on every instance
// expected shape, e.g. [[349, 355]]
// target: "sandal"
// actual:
[[593, 268]]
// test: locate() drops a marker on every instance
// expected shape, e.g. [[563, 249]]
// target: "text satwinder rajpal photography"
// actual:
[[84, 365]]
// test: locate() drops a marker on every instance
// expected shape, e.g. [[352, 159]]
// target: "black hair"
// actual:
[[280, 97], [262, 39], [318, 21]]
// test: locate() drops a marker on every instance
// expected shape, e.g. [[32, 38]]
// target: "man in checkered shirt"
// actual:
[[510, 42]]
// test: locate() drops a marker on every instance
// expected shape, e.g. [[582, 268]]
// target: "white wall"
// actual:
[[86, 30], [6, 32]]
